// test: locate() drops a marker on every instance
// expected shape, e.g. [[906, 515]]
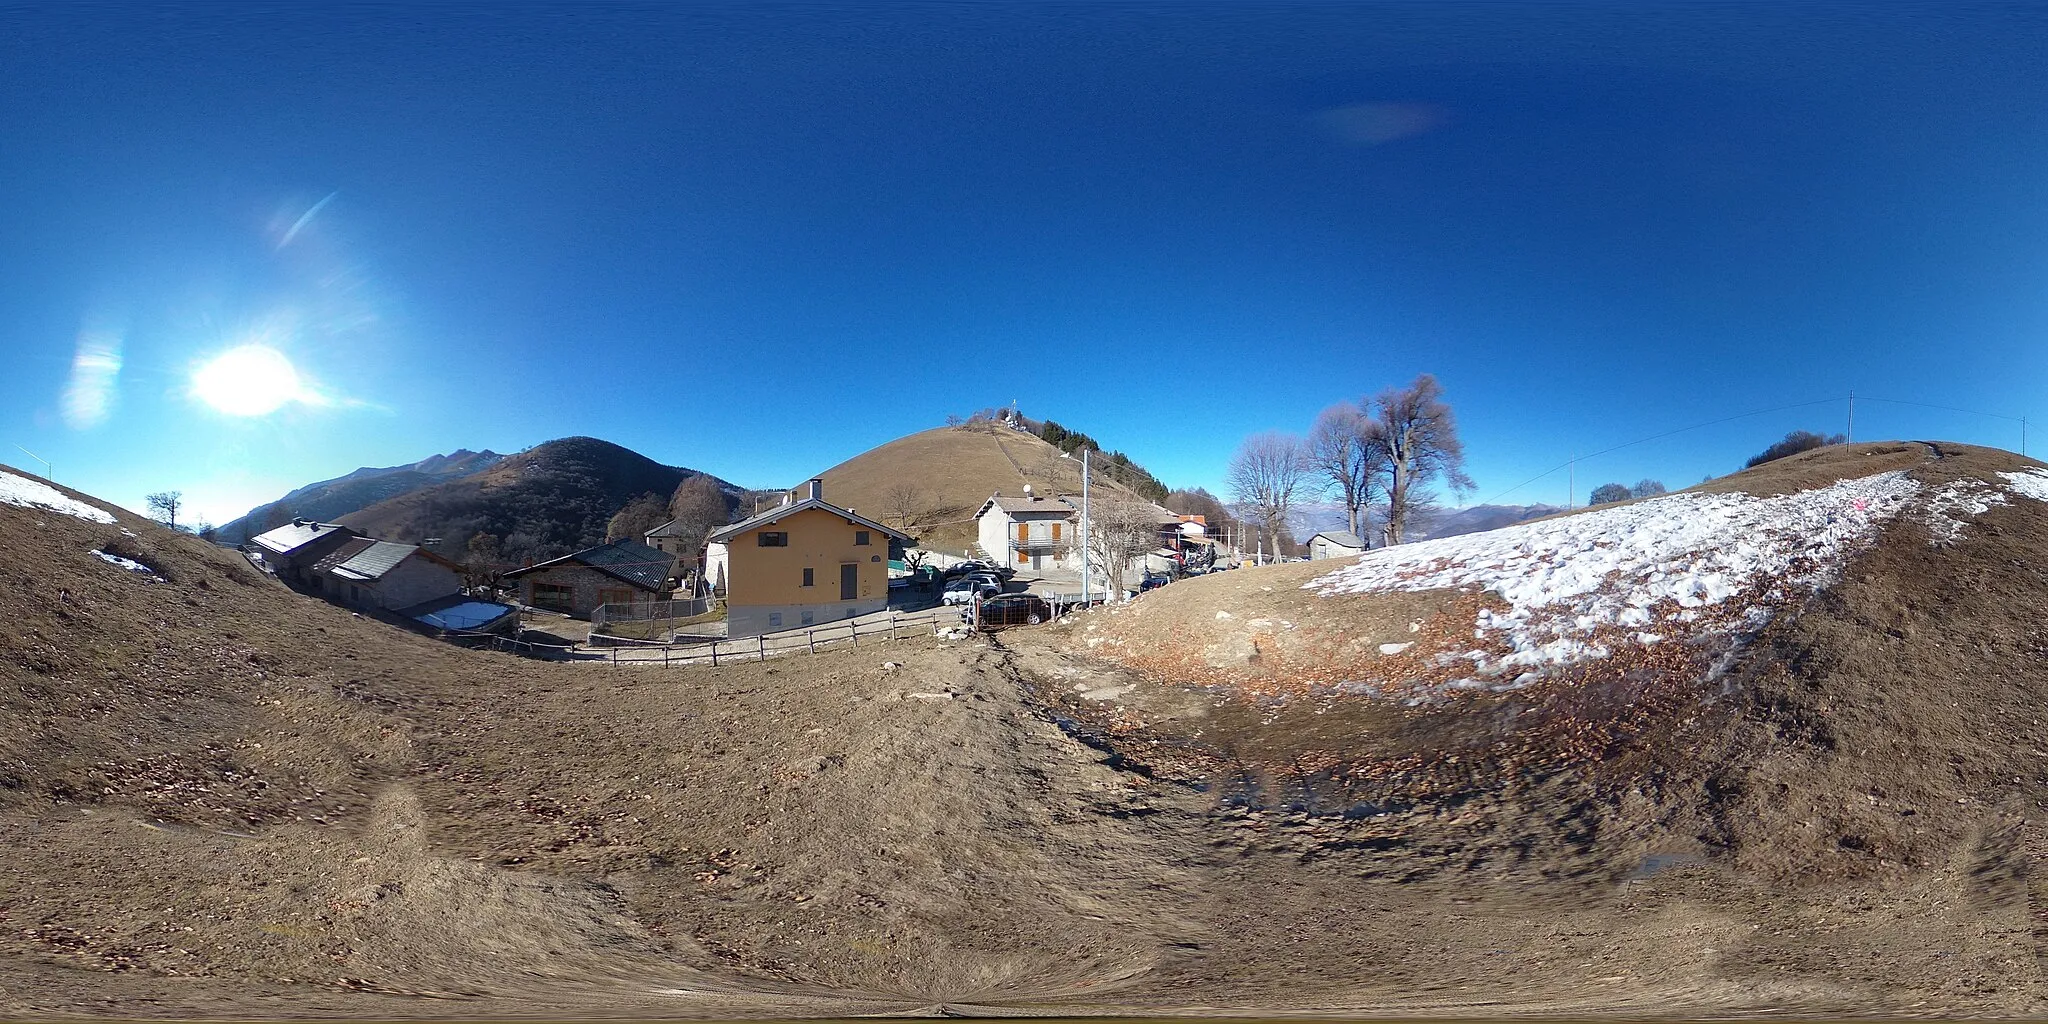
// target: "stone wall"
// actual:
[[586, 585]]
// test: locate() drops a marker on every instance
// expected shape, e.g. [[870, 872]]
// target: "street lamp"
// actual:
[[1084, 521]]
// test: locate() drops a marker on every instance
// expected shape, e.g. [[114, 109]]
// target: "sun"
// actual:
[[248, 380]]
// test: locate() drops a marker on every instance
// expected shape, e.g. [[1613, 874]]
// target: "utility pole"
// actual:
[[2023, 435], [1850, 434], [46, 462], [1084, 526], [1571, 486]]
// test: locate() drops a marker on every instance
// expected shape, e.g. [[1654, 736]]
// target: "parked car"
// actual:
[[965, 568], [1153, 581], [1014, 610], [966, 590]]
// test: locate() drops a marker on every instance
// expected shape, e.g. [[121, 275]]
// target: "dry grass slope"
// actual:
[[953, 470]]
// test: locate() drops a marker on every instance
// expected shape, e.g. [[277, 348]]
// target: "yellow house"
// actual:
[[802, 563]]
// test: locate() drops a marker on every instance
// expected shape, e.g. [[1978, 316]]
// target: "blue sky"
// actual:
[[758, 240]]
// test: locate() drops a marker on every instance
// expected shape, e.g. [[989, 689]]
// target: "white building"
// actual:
[[1030, 531]]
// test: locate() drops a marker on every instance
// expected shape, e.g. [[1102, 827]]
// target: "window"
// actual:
[[773, 540], [860, 538], [808, 578], [774, 620], [809, 617], [553, 596]]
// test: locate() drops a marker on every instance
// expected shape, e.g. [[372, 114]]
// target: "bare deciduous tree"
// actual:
[[698, 507], [640, 515], [1120, 529], [909, 504], [1266, 476], [1421, 438], [164, 506], [1346, 449], [1647, 488], [482, 564]]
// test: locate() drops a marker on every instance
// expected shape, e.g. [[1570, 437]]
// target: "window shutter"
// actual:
[[1056, 533]]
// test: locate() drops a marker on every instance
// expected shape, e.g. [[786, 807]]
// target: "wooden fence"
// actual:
[[754, 648]]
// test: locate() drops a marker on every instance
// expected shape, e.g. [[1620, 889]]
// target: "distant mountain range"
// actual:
[[1479, 519], [1312, 517], [549, 500], [328, 500]]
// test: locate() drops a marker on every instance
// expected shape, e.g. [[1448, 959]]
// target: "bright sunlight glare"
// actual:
[[248, 380]]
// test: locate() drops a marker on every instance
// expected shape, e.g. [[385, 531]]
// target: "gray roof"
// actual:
[[289, 538], [672, 528], [365, 559], [1028, 504], [627, 561], [780, 512], [1349, 540]]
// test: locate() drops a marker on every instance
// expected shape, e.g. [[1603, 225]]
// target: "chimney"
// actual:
[[815, 490]]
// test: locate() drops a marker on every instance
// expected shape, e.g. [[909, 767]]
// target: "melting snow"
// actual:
[[1650, 563], [129, 564], [1951, 507], [2031, 483], [20, 490]]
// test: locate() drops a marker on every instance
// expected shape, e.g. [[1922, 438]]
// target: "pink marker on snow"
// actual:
[[1861, 504]]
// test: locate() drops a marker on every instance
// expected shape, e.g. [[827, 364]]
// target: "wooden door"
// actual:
[[849, 580]]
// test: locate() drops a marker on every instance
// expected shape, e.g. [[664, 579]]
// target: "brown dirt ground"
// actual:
[[221, 799]]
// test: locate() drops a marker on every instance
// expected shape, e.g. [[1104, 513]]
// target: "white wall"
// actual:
[[717, 562]]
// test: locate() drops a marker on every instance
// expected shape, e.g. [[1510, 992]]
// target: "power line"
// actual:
[[1948, 408], [1653, 437]]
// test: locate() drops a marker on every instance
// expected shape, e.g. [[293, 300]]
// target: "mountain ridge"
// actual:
[[326, 500], [546, 501]]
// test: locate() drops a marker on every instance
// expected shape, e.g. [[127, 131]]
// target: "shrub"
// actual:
[[1795, 442]]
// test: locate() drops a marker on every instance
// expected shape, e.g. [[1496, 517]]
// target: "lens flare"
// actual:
[[95, 367], [248, 380]]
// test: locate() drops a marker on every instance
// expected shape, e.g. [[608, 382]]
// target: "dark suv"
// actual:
[[1014, 610]]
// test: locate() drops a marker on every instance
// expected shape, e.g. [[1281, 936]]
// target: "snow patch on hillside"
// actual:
[[2031, 483], [129, 564], [1694, 567], [1951, 508], [19, 490]]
